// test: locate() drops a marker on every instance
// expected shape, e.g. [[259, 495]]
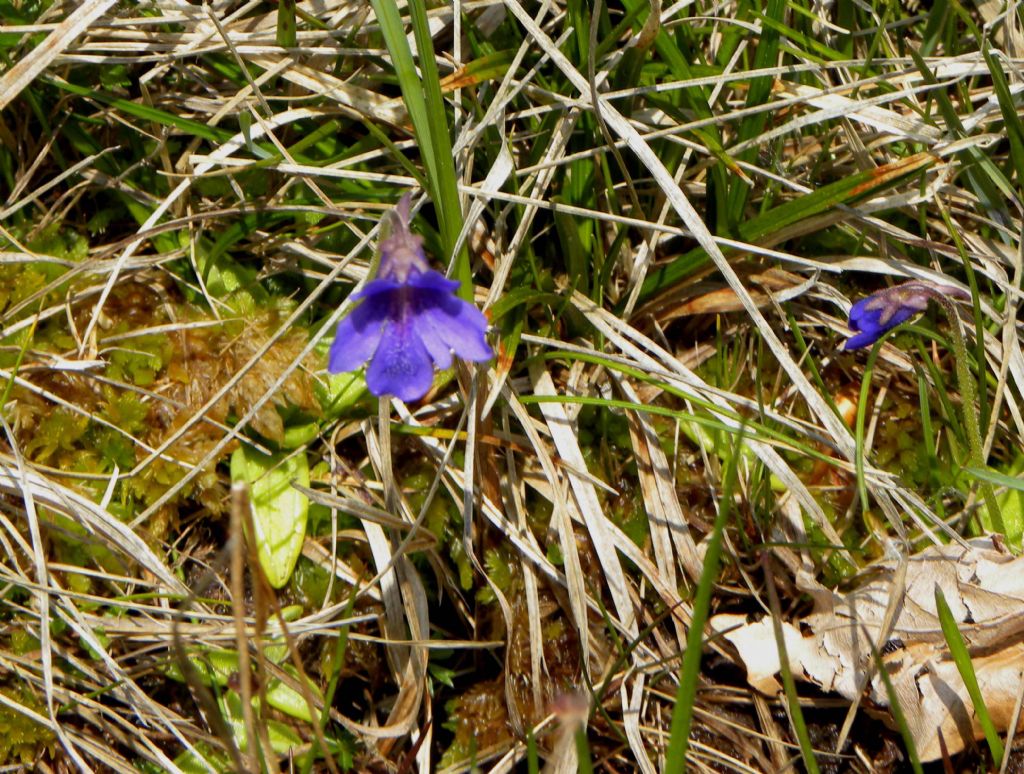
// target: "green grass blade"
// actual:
[[927, 432], [1011, 121], [694, 99], [808, 43], [532, 757], [981, 387], [584, 763], [992, 186], [937, 18], [796, 715], [425, 103], [849, 190], [862, 410], [962, 659], [147, 113], [336, 663], [682, 715], [286, 27], [24, 347], [449, 210], [758, 93], [393, 30], [996, 478]]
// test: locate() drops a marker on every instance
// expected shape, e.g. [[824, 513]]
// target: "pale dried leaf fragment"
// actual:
[[57, 42], [586, 500], [832, 647], [866, 111], [668, 524], [363, 101], [940, 699]]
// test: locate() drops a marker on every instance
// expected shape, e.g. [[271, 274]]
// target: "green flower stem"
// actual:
[[969, 402]]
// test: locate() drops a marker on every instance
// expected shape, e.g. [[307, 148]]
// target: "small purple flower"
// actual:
[[409, 321], [883, 310]]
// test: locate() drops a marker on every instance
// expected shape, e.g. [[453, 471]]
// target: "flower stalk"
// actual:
[[874, 316], [969, 409]]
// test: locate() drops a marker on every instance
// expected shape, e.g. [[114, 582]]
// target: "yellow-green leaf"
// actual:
[[279, 511]]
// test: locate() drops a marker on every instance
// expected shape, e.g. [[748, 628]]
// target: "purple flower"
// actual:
[[408, 322], [883, 310]]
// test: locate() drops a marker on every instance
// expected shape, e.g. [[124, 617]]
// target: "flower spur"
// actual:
[[408, 321]]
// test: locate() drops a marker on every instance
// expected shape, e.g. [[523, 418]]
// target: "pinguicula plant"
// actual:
[[874, 316], [408, 321]]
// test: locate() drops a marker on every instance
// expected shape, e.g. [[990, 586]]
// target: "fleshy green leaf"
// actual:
[[337, 393], [215, 667], [1011, 502], [279, 511], [282, 738]]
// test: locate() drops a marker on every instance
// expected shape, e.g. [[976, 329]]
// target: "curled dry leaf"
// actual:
[[712, 298], [832, 646]]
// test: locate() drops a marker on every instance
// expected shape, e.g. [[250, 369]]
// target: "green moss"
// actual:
[[21, 642], [73, 546], [899, 445], [136, 366], [22, 740], [20, 281], [126, 410], [835, 566], [554, 554], [151, 483], [630, 514], [60, 242], [114, 77], [114, 448], [499, 569], [478, 719], [539, 511], [58, 431], [457, 552]]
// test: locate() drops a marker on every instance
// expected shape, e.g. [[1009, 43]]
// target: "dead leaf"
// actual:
[[832, 647], [783, 285]]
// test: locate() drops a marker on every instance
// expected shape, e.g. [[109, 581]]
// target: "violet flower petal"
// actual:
[[455, 325], [433, 280], [862, 340], [376, 287], [871, 319], [408, 320], [358, 334], [401, 366], [446, 322], [883, 310], [433, 340]]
